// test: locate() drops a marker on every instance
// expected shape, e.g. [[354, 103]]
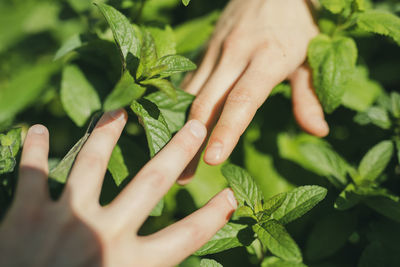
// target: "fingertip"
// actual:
[[119, 114], [38, 129], [231, 198], [227, 201], [214, 153], [184, 180], [317, 126], [186, 176]]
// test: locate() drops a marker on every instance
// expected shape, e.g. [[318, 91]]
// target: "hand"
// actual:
[[256, 45], [77, 231]]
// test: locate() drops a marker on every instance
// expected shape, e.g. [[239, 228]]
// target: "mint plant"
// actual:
[[267, 218], [63, 63], [148, 58], [333, 54]]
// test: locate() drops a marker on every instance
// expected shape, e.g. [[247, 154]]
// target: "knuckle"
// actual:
[[231, 43], [263, 46], [196, 232], [225, 129], [187, 145], [155, 178], [199, 108], [92, 160], [241, 97]]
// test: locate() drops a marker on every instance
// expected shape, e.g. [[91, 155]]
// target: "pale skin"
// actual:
[[76, 231], [257, 44]]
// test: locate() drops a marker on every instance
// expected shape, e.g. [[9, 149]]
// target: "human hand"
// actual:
[[256, 45], [77, 231]]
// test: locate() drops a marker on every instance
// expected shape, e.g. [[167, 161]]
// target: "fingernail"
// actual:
[[231, 198], [38, 129], [197, 128], [117, 114], [214, 152]]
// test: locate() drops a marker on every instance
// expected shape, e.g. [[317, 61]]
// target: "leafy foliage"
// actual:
[[10, 144], [157, 131], [275, 237], [269, 217], [246, 190], [380, 22], [332, 60], [78, 96]]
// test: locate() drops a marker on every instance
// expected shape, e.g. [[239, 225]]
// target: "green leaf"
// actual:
[[332, 62], [272, 204], [186, 2], [174, 64], [156, 128], [375, 115], [164, 86], [375, 162], [348, 198], [353, 195], [326, 162], [386, 206], [244, 211], [274, 236], [323, 242], [298, 202], [208, 262], [23, 89], [10, 144], [158, 209], [78, 96], [174, 112], [232, 235], [148, 55], [74, 42], [191, 261], [380, 22], [360, 92], [395, 97], [124, 93], [164, 40], [289, 148], [61, 172], [282, 88], [193, 34], [244, 187], [376, 254], [334, 6], [124, 33], [277, 262], [117, 166]]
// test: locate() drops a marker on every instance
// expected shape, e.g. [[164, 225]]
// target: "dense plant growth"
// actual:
[[63, 62]]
